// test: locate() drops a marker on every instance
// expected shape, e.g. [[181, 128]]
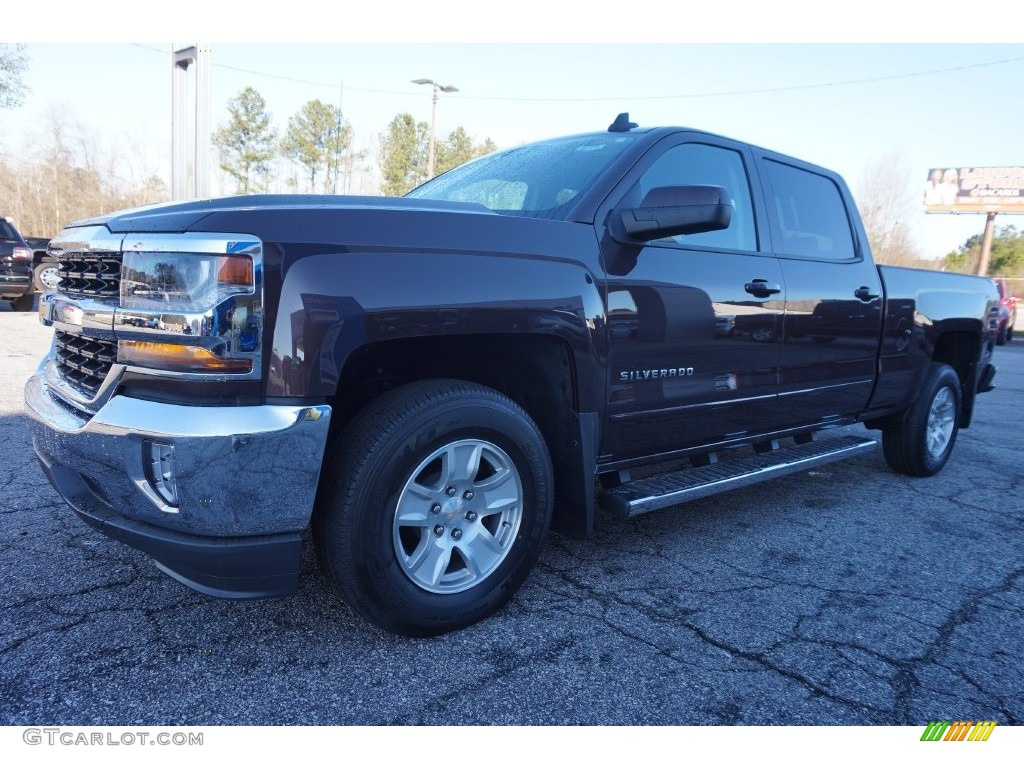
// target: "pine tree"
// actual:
[[247, 142], [318, 139]]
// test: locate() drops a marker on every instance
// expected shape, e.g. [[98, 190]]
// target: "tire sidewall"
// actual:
[[377, 567], [946, 379], [1003, 335], [37, 273]]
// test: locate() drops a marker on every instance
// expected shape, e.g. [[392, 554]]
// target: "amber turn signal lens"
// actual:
[[178, 357], [235, 270]]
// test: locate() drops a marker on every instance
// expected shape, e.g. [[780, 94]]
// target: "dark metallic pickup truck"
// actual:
[[433, 382]]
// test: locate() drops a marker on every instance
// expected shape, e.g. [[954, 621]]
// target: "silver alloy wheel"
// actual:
[[458, 516], [940, 422], [50, 278]]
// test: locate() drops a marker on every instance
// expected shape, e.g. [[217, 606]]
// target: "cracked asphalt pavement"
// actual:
[[845, 595]]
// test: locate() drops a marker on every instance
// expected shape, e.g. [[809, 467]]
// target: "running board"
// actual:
[[640, 496]]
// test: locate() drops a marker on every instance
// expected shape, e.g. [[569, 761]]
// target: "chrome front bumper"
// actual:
[[246, 476]]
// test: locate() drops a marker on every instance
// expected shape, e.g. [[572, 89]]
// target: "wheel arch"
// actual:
[[536, 371], [959, 349]]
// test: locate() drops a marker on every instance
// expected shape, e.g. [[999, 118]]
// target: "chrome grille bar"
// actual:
[[84, 361], [96, 274]]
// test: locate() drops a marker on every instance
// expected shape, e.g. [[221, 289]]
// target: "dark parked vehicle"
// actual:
[[15, 267], [432, 382]]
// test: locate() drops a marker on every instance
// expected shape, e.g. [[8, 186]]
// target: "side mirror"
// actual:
[[669, 211]]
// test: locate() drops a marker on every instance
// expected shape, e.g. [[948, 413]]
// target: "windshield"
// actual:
[[540, 180]]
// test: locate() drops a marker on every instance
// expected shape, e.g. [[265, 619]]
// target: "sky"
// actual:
[[843, 104]]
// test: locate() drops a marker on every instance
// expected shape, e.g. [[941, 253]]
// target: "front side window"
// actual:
[[808, 213], [705, 165]]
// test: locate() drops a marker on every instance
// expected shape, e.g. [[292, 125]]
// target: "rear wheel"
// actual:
[[922, 443], [1003, 334], [434, 506]]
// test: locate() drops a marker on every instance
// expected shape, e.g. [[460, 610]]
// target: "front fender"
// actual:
[[333, 303]]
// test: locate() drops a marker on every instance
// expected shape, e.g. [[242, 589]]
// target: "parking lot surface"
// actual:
[[844, 595]]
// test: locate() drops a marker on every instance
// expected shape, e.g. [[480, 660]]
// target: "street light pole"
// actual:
[[435, 87], [433, 136]]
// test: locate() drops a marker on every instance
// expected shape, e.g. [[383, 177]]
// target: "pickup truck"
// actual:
[[431, 383]]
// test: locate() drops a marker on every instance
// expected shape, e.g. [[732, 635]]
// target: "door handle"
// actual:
[[762, 288], [864, 293]]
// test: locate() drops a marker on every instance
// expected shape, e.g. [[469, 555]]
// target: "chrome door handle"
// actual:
[[762, 288], [864, 293]]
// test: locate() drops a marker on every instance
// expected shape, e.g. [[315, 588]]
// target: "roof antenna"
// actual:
[[622, 124]]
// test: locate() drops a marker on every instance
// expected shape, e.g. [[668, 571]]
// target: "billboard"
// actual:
[[975, 190]]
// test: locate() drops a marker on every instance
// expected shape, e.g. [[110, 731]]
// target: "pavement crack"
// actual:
[[907, 680]]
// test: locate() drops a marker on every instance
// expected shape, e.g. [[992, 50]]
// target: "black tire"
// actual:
[[401, 450], [923, 442], [1003, 335], [38, 279], [24, 303]]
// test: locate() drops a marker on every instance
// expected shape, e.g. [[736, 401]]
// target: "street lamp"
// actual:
[[433, 117]]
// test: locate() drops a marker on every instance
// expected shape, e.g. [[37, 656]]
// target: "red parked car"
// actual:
[[1007, 311]]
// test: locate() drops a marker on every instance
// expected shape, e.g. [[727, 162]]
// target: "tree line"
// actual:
[[1005, 260], [66, 173], [318, 145]]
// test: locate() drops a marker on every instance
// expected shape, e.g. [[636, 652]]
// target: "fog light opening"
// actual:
[[158, 459]]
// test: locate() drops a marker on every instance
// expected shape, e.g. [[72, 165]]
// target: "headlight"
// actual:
[[191, 312], [183, 282]]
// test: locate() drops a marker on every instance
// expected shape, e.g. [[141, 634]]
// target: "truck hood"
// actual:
[[179, 217]]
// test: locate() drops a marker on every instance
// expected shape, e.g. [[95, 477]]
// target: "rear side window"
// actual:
[[808, 213], [6, 232]]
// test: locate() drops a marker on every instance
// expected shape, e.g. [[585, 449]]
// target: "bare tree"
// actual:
[[13, 63], [64, 172], [887, 199]]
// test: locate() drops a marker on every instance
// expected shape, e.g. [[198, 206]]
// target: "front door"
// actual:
[[694, 322]]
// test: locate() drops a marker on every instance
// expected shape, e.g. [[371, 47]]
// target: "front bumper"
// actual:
[[246, 478], [15, 282]]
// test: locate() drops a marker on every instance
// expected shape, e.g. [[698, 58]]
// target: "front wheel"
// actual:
[[434, 505], [46, 277], [921, 445]]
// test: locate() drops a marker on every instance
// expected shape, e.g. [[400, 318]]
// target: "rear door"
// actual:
[[833, 313]]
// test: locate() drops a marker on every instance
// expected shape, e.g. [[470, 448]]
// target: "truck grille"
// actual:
[[83, 361], [90, 274]]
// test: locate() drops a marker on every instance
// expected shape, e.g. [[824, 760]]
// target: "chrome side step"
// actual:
[[640, 496]]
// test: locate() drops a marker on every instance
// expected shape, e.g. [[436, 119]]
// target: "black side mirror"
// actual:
[[669, 211]]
